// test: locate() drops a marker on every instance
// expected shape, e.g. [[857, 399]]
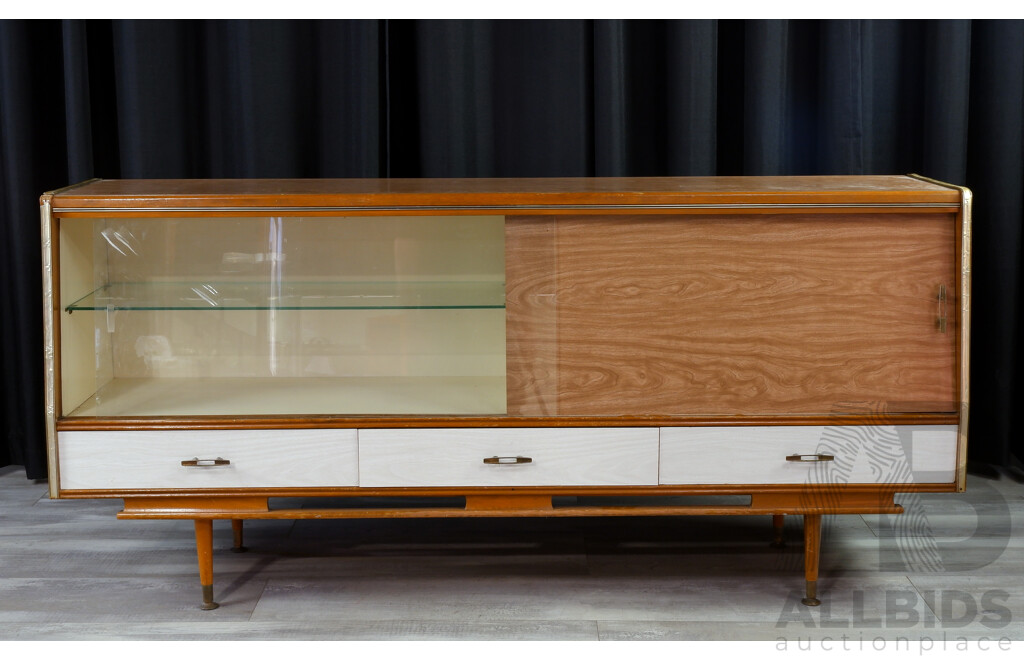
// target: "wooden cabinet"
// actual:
[[212, 344]]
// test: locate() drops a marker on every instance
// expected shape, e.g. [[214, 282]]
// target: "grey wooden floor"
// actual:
[[70, 570]]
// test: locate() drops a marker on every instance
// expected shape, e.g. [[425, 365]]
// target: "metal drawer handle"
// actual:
[[206, 462], [811, 458], [508, 460]]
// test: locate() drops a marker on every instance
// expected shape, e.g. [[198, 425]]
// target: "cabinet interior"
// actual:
[[283, 315]]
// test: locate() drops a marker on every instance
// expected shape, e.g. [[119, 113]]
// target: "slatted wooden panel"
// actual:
[[755, 314]]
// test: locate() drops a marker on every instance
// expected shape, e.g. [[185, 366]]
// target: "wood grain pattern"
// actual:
[[204, 550], [757, 490], [507, 193], [750, 315], [540, 512], [190, 505], [812, 546], [849, 501], [508, 503], [221, 422], [531, 317], [335, 212], [865, 492]]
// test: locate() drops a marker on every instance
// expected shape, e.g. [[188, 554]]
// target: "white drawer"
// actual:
[[258, 459], [558, 457], [757, 454]]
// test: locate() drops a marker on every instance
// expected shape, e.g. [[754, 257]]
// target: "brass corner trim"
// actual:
[[966, 205], [58, 191], [49, 349], [928, 179]]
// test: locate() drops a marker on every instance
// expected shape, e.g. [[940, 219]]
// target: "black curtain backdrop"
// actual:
[[125, 99]]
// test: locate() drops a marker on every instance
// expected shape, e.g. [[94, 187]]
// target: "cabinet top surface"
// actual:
[[501, 193]]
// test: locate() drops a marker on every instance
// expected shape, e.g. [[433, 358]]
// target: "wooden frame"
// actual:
[[849, 198]]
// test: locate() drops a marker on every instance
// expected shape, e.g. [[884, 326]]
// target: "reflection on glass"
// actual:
[[325, 316]]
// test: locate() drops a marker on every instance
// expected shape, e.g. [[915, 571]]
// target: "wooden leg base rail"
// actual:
[[778, 539], [812, 547], [237, 531], [811, 599], [203, 511], [490, 506], [204, 548]]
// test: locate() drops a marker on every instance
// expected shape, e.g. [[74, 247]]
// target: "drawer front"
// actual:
[[758, 454], [557, 457], [103, 460]]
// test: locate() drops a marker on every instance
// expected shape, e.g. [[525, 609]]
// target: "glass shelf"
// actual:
[[293, 295]]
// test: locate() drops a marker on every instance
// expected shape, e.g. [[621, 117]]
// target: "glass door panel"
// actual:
[[283, 315]]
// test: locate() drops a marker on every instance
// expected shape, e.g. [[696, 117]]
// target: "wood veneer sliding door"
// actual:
[[751, 314]]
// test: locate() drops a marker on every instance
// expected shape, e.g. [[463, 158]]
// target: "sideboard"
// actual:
[[527, 347]]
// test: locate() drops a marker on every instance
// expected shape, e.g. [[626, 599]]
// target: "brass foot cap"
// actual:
[[811, 602], [209, 606]]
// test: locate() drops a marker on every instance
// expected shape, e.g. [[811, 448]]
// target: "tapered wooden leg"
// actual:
[[777, 539], [204, 548], [812, 550], [236, 527]]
